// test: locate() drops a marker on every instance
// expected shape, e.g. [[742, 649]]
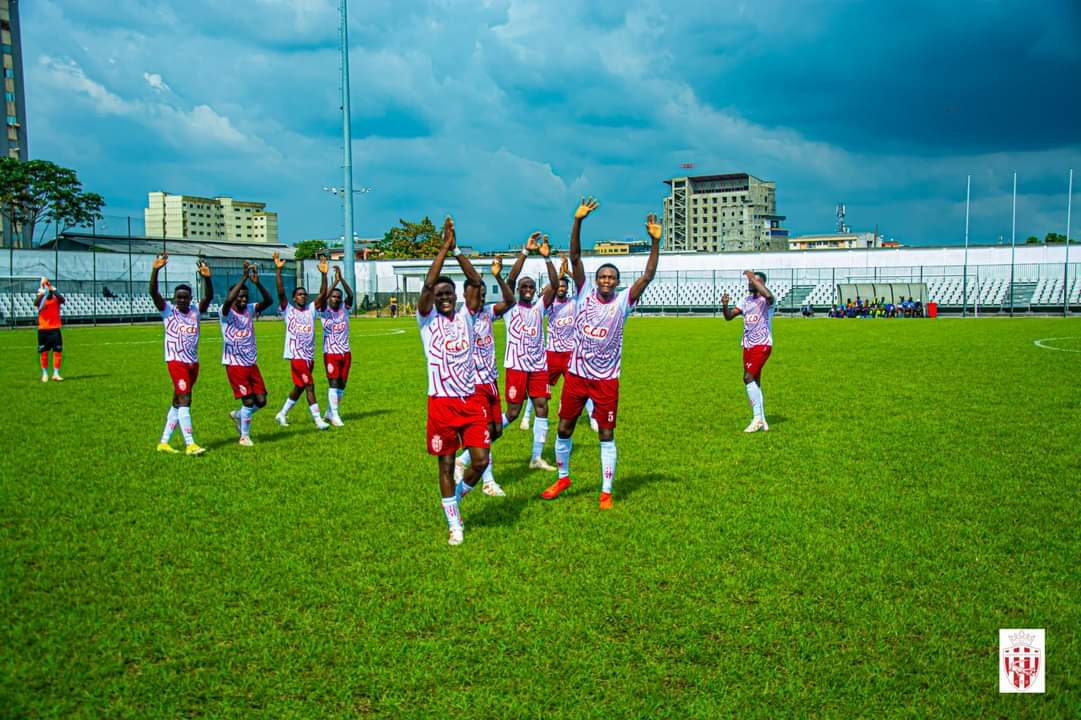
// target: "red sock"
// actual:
[[56, 361], [45, 360]]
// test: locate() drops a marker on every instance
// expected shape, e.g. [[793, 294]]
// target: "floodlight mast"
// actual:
[[347, 141]]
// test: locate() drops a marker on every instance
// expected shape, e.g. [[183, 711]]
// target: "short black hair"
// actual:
[[444, 279], [298, 288], [761, 276], [606, 265], [524, 279], [182, 286]]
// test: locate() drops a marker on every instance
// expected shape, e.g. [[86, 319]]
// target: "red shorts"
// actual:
[[557, 366], [338, 366], [245, 380], [455, 423], [603, 393], [755, 357], [302, 372], [489, 395], [184, 375], [522, 385]]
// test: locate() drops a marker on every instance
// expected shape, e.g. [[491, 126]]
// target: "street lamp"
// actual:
[[341, 191]]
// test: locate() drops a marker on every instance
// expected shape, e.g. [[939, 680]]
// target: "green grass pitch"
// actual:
[[919, 490]]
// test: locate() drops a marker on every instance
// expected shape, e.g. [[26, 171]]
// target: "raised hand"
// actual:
[[203, 268], [531, 243], [497, 267], [253, 273], [545, 248], [247, 267], [337, 273], [564, 267], [749, 274], [323, 264], [450, 239], [725, 299], [279, 263], [653, 227], [160, 261], [585, 207]]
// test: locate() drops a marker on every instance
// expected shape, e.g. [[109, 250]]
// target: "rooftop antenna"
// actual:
[[842, 227]]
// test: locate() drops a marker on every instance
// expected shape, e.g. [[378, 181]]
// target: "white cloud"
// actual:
[[154, 80]]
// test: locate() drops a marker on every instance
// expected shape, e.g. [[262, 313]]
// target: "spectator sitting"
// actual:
[[807, 310], [107, 293]]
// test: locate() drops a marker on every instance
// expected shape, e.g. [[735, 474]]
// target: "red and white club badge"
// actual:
[[1022, 666], [437, 443]]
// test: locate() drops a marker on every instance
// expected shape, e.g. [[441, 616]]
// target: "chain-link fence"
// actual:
[[113, 286]]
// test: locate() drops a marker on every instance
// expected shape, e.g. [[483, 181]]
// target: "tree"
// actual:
[[38, 190], [1054, 238], [309, 248], [411, 240], [1032, 240]]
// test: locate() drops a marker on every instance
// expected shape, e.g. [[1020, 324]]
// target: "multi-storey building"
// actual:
[[14, 103], [221, 219], [736, 212]]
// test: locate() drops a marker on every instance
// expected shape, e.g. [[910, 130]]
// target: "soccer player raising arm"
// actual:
[[757, 311], [181, 323], [299, 350], [337, 353], [238, 351]]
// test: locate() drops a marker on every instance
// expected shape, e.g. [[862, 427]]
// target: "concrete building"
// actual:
[[619, 247], [14, 102], [736, 212], [219, 219], [838, 241]]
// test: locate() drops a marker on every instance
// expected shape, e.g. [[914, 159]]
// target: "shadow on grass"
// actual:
[[625, 486], [260, 439], [518, 480], [366, 413], [77, 378], [776, 419]]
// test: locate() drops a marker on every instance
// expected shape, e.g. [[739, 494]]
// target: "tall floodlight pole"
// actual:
[[964, 268], [1013, 239], [347, 141], [1066, 271]]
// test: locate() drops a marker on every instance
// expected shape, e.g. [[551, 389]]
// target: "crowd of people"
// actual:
[[877, 308]]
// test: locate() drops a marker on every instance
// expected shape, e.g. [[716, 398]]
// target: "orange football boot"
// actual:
[[554, 490]]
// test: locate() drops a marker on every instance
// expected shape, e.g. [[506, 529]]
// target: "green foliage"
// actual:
[[914, 495], [1052, 238], [411, 240], [309, 248], [1032, 240], [38, 190]]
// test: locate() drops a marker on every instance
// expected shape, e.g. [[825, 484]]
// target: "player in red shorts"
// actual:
[[757, 312], [487, 369], [299, 319], [181, 322], [334, 311], [525, 359], [238, 350], [594, 368], [457, 416]]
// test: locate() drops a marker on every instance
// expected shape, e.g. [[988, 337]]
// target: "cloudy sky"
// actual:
[[503, 112]]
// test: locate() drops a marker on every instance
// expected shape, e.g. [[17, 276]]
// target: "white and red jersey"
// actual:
[[525, 338], [448, 346], [484, 345], [560, 325], [181, 334], [757, 321], [238, 336], [335, 330], [299, 332], [598, 333]]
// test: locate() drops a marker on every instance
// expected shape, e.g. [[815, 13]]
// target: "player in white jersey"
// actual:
[[525, 358], [181, 323], [457, 415], [238, 350], [334, 311], [757, 311], [487, 369], [299, 319], [594, 368]]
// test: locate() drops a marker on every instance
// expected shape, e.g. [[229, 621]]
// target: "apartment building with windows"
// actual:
[[735, 212], [14, 94], [219, 219]]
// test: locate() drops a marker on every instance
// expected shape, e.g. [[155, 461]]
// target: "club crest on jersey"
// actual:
[[330, 368], [512, 392], [437, 443], [243, 390], [182, 384], [593, 331]]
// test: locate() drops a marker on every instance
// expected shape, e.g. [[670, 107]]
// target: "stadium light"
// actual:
[[347, 142]]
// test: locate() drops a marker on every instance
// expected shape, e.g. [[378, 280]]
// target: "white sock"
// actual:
[[608, 465], [589, 409], [170, 423], [506, 422], [314, 409], [184, 415], [563, 455], [245, 419], [450, 510], [289, 403], [332, 400], [527, 411], [754, 394], [540, 436], [487, 477], [465, 458]]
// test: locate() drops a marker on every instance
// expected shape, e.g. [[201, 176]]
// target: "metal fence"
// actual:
[[112, 287]]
